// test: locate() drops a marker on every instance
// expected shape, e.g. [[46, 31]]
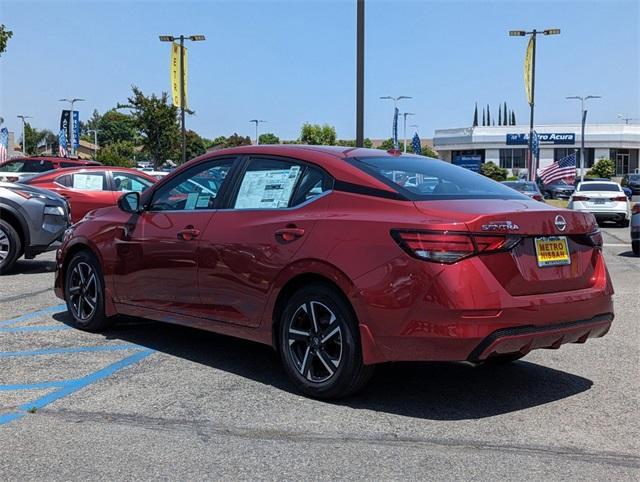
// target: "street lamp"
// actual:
[[182, 38], [620, 116], [256, 122], [24, 139], [582, 100], [72, 147], [521, 33], [404, 115], [95, 141], [395, 107]]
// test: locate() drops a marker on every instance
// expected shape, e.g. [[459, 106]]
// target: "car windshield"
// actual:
[[27, 166], [634, 177], [421, 178], [599, 186], [522, 186]]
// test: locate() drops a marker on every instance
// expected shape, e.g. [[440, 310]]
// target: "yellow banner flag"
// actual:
[[174, 72], [528, 68]]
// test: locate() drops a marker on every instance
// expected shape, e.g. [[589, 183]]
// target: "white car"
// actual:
[[604, 199]]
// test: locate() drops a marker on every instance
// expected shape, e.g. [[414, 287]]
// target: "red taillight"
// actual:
[[635, 209], [580, 198], [619, 198], [596, 238], [447, 247], [537, 197]]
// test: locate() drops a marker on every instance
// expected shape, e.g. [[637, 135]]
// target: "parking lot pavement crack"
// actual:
[[24, 295], [206, 429]]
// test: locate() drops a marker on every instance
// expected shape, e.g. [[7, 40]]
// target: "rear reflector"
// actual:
[[449, 247]]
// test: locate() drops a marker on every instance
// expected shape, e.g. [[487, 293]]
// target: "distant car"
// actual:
[[30, 220], [627, 192], [632, 182], [557, 190], [21, 168], [156, 174], [92, 187], [528, 188], [635, 229], [604, 199]]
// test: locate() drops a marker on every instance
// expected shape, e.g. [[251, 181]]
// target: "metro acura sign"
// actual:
[[553, 138]]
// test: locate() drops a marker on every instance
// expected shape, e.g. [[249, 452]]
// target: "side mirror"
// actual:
[[130, 202]]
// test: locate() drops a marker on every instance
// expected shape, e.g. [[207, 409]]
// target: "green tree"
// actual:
[[318, 135], [113, 126], [236, 140], [268, 138], [496, 173], [157, 121], [119, 153], [366, 143], [5, 35], [604, 168], [195, 145]]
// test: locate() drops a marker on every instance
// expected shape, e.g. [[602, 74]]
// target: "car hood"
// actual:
[[36, 190]]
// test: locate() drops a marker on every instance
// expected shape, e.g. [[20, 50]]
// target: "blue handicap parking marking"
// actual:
[[62, 388]]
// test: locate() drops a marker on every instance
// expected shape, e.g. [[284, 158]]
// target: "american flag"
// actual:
[[4, 144], [62, 143], [565, 168], [415, 144]]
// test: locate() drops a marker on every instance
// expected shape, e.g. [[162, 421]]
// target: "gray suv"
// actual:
[[30, 220]]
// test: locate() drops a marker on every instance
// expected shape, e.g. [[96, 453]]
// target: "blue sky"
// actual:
[[291, 62]]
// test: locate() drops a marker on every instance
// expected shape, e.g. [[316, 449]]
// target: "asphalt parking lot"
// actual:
[[147, 401]]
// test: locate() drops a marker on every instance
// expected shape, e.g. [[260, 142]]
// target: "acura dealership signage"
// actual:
[[549, 138]]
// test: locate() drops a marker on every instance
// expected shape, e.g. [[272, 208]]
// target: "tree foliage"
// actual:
[[157, 121], [195, 145], [119, 153], [233, 140], [318, 135], [112, 126], [366, 142], [33, 137], [493, 171], [604, 168], [5, 35], [268, 138]]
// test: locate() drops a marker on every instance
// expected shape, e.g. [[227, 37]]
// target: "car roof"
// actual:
[[600, 182], [70, 170], [54, 159]]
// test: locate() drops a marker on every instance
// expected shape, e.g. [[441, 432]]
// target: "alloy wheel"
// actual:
[[5, 246], [83, 291], [315, 341]]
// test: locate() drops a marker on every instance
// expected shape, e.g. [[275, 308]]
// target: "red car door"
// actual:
[[244, 248], [85, 191], [156, 265]]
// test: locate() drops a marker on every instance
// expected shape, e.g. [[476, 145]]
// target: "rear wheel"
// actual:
[[10, 246], [635, 246], [84, 293], [320, 344]]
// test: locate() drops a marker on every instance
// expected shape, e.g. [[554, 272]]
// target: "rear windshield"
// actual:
[[599, 186], [422, 178], [521, 186]]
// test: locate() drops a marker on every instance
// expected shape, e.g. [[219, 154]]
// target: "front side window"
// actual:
[[268, 184], [125, 181], [195, 189], [419, 178], [89, 181]]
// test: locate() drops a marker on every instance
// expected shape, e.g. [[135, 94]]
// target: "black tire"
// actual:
[[635, 246], [10, 247], [84, 293], [323, 362], [504, 359]]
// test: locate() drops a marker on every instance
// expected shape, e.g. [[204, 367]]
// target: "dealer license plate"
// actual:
[[552, 251]]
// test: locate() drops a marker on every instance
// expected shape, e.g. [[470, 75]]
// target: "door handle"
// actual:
[[289, 234], [188, 233]]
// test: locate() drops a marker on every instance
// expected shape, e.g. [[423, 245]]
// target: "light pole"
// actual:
[[24, 139], [582, 100], [404, 115], [95, 141], [256, 122], [533, 167], [395, 107], [72, 147], [626, 119], [360, 74], [182, 38]]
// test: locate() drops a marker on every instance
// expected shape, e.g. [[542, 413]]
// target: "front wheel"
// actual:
[[320, 344], [84, 293], [10, 247]]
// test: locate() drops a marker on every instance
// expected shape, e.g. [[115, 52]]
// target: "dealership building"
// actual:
[[507, 146]]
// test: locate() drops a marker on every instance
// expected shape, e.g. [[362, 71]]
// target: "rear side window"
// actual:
[[89, 181], [422, 179], [268, 184], [599, 186]]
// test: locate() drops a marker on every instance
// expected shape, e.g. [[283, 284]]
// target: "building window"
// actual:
[[513, 158], [589, 154]]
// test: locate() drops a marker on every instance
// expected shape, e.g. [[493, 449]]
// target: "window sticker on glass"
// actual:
[[192, 200], [90, 182], [203, 201], [267, 189]]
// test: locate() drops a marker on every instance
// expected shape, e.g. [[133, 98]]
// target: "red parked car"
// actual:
[[19, 169], [341, 259], [89, 188]]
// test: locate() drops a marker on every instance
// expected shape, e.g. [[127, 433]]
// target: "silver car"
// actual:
[[31, 219], [635, 229]]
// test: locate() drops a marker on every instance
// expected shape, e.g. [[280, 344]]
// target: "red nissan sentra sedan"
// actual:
[[89, 188], [341, 259]]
